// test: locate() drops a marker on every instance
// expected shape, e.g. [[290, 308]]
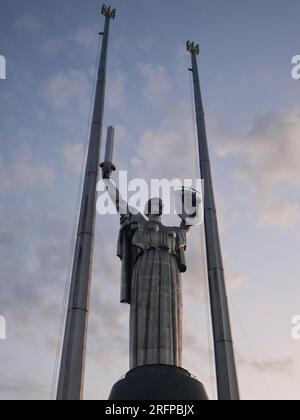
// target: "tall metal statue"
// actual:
[[153, 260]]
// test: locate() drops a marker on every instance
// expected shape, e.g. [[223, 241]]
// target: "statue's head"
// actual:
[[154, 207]]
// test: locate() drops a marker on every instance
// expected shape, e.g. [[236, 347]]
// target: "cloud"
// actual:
[[236, 281], [157, 83], [35, 235], [84, 37], [25, 171], [116, 88], [23, 265], [4, 178], [68, 90], [53, 46], [267, 165], [73, 155], [285, 366], [29, 23], [23, 388], [156, 151], [279, 213]]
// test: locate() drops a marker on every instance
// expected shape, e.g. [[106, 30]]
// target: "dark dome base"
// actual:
[[158, 383]]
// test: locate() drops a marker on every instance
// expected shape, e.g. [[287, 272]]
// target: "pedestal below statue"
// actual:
[[158, 383]]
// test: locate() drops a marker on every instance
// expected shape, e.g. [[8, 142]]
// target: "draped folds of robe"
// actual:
[[152, 261]]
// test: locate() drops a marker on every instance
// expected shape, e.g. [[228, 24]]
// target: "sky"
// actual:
[[253, 123]]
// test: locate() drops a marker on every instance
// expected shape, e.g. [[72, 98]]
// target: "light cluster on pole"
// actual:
[[193, 48], [107, 11]]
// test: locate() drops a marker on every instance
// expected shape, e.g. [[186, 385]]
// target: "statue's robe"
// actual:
[[153, 258]]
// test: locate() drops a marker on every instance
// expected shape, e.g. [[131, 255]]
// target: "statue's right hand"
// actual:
[[107, 169]]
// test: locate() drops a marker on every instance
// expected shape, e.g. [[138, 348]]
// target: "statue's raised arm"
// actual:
[[114, 194]]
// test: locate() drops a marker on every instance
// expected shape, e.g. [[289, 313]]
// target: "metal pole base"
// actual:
[[158, 383]]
